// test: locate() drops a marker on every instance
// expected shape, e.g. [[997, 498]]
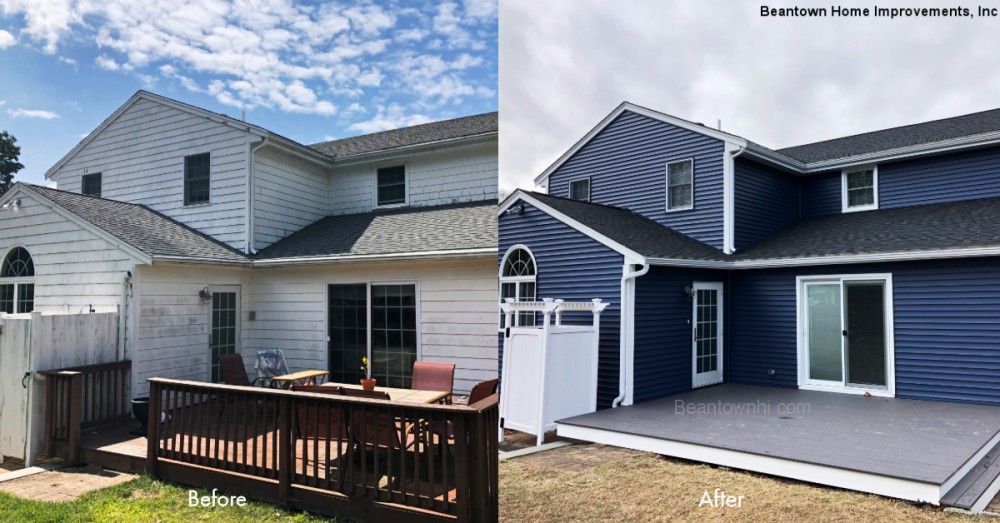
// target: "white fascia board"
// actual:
[[693, 264], [939, 254], [656, 115], [412, 149], [161, 258], [630, 255], [423, 255]]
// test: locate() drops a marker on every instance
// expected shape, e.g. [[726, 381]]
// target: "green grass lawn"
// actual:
[[141, 500]]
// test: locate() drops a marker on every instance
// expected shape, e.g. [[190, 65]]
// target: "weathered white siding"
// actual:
[[458, 312], [74, 268], [290, 194], [459, 174], [172, 323], [141, 158]]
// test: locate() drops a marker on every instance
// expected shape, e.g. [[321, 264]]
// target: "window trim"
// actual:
[[516, 280], [844, 207], [406, 185], [100, 183], [19, 280], [666, 182], [569, 188], [187, 202]]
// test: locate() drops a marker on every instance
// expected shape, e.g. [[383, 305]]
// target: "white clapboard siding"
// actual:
[[453, 175], [74, 268], [141, 158], [290, 194], [458, 312], [172, 324]]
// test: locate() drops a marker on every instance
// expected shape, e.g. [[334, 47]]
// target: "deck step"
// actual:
[[967, 493]]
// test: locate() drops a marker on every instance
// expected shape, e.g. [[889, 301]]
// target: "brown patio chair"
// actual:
[[314, 422], [481, 391], [434, 376], [234, 372], [377, 429]]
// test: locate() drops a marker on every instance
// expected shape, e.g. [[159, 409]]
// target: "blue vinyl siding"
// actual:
[[960, 176], [626, 163], [573, 267], [663, 330], [947, 327], [820, 194], [766, 200]]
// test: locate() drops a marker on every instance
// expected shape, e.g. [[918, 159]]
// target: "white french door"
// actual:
[[845, 333], [706, 335]]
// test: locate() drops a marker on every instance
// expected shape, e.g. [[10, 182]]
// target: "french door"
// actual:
[[845, 334], [706, 336], [224, 338]]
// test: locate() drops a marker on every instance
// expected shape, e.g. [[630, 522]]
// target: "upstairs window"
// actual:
[[580, 190], [860, 189], [517, 280], [91, 185], [197, 179], [391, 183], [17, 282], [680, 185]]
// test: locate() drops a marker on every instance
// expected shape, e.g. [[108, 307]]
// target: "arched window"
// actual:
[[517, 280], [17, 282]]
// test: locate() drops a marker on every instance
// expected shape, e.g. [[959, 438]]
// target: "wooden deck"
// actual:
[[927, 451]]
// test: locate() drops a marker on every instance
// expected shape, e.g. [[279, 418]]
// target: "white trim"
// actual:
[[569, 188], [715, 376], [306, 260], [844, 207], [786, 468], [729, 154], [211, 319], [801, 333], [630, 255], [406, 185], [666, 184]]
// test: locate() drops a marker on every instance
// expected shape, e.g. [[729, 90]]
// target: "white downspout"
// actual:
[[123, 314], [624, 329], [251, 193], [729, 197]]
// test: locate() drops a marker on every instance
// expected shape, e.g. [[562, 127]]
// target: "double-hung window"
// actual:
[[390, 185], [91, 185], [197, 179], [580, 189], [680, 185], [860, 188]]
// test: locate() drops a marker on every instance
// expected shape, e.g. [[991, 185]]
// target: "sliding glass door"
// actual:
[[845, 333]]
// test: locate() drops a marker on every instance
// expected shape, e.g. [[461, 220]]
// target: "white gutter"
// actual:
[[627, 342], [376, 257], [731, 151], [251, 185]]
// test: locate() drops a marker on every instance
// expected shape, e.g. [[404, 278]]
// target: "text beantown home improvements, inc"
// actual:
[[878, 12]]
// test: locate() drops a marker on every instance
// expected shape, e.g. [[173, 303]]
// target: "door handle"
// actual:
[[844, 333]]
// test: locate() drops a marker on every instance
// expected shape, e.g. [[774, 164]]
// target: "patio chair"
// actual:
[[370, 429], [270, 363], [313, 422], [481, 391], [434, 376], [234, 372]]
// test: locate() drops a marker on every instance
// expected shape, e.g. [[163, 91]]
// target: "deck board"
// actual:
[[916, 440]]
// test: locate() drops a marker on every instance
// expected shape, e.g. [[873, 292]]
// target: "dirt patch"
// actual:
[[577, 458], [64, 484], [514, 440]]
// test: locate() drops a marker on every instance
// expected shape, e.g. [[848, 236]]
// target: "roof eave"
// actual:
[[348, 160], [353, 258]]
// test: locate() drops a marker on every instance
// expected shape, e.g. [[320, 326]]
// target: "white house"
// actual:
[[211, 235]]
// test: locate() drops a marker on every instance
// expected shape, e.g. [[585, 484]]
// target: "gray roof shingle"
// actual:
[[416, 229], [141, 227], [634, 231], [414, 135], [886, 139]]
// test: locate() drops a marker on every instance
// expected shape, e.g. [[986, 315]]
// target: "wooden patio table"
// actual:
[[305, 377], [404, 395]]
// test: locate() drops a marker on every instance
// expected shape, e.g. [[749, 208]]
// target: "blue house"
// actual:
[[853, 277]]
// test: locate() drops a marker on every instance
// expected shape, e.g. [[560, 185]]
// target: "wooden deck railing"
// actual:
[[81, 397], [357, 458]]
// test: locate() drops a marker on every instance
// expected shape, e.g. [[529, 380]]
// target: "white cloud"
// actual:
[[32, 113], [481, 8], [387, 118], [411, 35], [6, 39], [67, 60], [107, 63]]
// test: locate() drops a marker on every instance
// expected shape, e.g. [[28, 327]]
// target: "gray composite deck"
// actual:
[[925, 441]]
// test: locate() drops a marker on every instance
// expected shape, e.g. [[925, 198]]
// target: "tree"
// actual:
[[9, 152]]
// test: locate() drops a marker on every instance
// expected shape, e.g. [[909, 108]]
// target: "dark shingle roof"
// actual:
[[964, 224], [636, 232], [414, 135], [916, 134], [141, 227], [417, 229]]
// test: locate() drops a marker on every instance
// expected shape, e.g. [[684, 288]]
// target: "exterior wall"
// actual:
[[290, 194], [766, 200], [173, 325], [457, 312], [960, 176], [141, 158], [820, 194], [74, 268], [626, 163], [451, 175], [572, 267], [663, 329], [947, 338]]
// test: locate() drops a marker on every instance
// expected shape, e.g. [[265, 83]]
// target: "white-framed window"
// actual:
[[859, 188], [517, 280], [90, 185], [197, 179], [17, 282], [390, 185], [680, 185], [580, 190]]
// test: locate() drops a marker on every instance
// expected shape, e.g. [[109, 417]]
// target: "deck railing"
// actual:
[[358, 458], [77, 398]]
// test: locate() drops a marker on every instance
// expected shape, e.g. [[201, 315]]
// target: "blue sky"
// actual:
[[311, 72]]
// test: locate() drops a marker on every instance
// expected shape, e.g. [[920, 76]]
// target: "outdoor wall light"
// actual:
[[516, 210], [205, 295], [689, 291], [14, 204]]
